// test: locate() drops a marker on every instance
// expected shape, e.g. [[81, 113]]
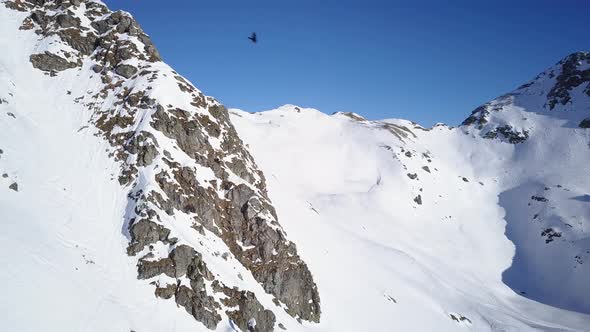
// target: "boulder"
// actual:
[[126, 70], [51, 62]]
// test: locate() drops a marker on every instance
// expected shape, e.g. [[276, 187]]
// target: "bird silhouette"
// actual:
[[253, 37]]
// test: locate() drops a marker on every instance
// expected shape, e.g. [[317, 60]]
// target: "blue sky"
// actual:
[[426, 61]]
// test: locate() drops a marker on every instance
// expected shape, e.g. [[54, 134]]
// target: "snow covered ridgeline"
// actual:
[[197, 207], [452, 228], [560, 92]]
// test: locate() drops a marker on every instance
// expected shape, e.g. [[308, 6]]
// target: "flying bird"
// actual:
[[253, 37]]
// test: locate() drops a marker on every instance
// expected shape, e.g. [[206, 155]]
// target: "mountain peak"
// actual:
[[193, 197], [561, 92], [80, 29]]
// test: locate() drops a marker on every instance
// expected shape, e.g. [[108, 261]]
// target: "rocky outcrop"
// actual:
[[585, 123], [51, 62], [100, 39], [179, 160], [126, 70], [571, 76], [418, 199], [508, 133], [480, 116]]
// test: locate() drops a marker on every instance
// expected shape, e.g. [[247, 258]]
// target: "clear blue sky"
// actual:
[[426, 61]]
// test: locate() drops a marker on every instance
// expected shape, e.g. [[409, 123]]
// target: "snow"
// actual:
[[342, 192], [367, 241]]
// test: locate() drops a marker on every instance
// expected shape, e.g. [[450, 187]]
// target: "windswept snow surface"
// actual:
[[342, 188]]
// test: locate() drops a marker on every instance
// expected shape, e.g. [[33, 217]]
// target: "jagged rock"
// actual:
[[14, 186], [143, 233], [123, 23], [426, 168], [412, 176], [293, 285], [85, 44], [143, 145], [126, 70], [184, 257], [166, 292], [539, 198], [418, 199], [149, 269], [199, 305], [460, 318], [51, 62], [67, 20], [585, 123], [478, 116], [288, 278], [248, 307], [571, 76], [513, 136], [550, 233]]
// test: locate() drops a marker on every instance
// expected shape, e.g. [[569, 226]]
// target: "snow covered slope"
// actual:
[[130, 203], [410, 229], [115, 168]]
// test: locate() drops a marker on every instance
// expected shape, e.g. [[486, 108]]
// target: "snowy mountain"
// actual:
[[132, 202]]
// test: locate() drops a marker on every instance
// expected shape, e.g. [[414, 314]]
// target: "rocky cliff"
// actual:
[[180, 161]]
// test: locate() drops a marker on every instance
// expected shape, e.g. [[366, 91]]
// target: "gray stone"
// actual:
[[149, 269], [50, 62], [126, 70], [418, 199], [201, 306], [14, 186], [248, 308], [183, 256], [166, 292], [585, 123], [143, 233], [97, 68], [67, 20]]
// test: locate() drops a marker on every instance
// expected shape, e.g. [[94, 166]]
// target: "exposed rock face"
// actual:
[[126, 70], [51, 62], [573, 74], [508, 133], [418, 199], [56, 18], [479, 116], [181, 161], [247, 307]]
